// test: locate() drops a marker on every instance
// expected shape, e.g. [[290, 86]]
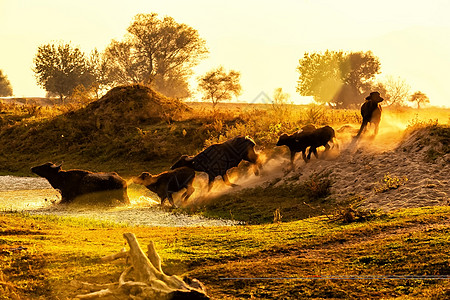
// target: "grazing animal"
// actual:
[[308, 137], [294, 144], [89, 187], [217, 159], [168, 183], [371, 112]]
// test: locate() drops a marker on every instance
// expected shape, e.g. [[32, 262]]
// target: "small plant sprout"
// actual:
[[277, 216]]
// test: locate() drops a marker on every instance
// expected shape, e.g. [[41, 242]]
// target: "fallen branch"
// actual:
[[148, 281], [121, 254]]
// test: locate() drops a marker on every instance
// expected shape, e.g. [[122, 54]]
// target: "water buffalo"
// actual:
[[217, 159], [371, 112], [85, 186], [292, 141], [310, 137], [168, 183]]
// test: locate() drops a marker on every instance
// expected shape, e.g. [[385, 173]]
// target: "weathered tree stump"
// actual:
[[148, 279]]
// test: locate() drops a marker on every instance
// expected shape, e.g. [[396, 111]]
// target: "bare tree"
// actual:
[[397, 91], [122, 67], [217, 85], [98, 66], [280, 101], [419, 98]]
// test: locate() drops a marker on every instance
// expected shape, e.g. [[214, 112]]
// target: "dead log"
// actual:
[[112, 257], [147, 279]]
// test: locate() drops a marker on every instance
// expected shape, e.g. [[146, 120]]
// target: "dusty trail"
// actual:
[[358, 170]]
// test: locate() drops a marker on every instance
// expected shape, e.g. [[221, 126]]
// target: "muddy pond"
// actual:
[[36, 197]]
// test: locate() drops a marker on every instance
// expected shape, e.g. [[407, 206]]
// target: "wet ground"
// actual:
[[36, 196]]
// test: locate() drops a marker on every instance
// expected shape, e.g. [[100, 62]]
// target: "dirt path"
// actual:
[[359, 170]]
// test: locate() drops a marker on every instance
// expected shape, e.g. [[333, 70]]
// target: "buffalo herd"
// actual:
[[215, 160]]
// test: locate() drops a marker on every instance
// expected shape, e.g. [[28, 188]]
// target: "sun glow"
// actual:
[[264, 42]]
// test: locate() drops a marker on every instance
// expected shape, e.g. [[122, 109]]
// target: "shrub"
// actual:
[[389, 183], [318, 186]]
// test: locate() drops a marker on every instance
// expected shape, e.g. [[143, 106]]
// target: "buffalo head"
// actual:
[[282, 139], [375, 97], [46, 170], [145, 179]]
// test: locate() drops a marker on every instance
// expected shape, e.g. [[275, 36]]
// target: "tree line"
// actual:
[[161, 53], [341, 79]]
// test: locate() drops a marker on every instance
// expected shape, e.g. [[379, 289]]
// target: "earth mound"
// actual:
[[132, 104], [431, 143]]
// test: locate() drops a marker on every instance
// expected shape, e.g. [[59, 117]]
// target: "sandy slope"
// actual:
[[356, 170]]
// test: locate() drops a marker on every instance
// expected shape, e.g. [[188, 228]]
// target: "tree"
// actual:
[[61, 68], [280, 101], [217, 85], [5, 86], [397, 91], [122, 67], [419, 97], [337, 78], [98, 67], [280, 97], [158, 52]]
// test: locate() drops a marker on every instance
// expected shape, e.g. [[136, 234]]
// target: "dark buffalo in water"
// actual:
[[168, 183], [217, 159], [371, 113], [310, 137], [84, 186]]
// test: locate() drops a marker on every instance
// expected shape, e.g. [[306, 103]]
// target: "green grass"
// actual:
[[407, 242]]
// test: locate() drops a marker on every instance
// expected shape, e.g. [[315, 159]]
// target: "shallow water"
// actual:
[[36, 196]]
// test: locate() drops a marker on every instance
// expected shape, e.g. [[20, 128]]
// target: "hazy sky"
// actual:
[[262, 39]]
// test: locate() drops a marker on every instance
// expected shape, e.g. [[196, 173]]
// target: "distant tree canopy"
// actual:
[[419, 98], [59, 69], [5, 86], [157, 52], [218, 85], [337, 78]]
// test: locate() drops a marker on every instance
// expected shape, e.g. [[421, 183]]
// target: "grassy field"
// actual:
[[301, 259]]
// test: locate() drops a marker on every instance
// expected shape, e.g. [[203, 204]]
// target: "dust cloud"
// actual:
[[357, 168]]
